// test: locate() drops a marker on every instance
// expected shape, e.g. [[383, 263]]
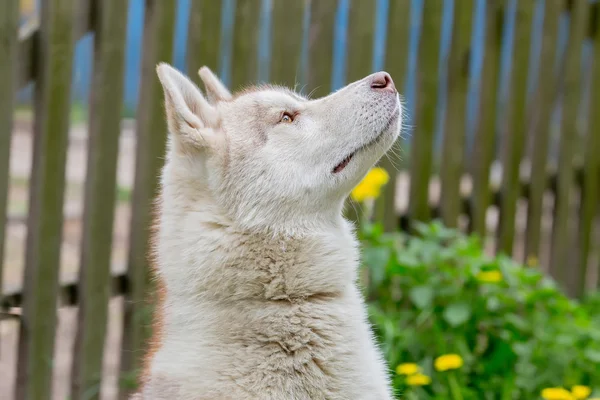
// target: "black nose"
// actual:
[[383, 81]]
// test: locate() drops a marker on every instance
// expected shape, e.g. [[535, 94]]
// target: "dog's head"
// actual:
[[271, 157]]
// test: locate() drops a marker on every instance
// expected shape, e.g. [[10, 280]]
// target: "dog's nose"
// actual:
[[383, 81]]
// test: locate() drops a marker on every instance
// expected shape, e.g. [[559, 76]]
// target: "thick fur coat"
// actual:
[[257, 265]]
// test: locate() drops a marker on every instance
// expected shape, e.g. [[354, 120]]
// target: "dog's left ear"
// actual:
[[190, 117], [215, 89]]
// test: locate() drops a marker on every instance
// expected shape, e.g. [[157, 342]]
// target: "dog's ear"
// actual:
[[215, 89], [189, 115]]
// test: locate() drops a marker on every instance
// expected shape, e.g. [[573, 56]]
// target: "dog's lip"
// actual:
[[344, 163]]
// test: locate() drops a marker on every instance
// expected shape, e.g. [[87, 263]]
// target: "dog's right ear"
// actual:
[[215, 89], [189, 115]]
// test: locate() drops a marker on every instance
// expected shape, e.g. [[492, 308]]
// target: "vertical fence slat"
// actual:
[[571, 92], [518, 124], [245, 43], [361, 29], [358, 62], [452, 164], [9, 24], [204, 32], [396, 60], [589, 206], [320, 46], [151, 141], [485, 134], [286, 48], [51, 129], [426, 110], [542, 111], [103, 145]]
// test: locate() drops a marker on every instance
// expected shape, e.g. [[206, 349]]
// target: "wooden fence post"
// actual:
[[9, 25], [151, 141], [542, 110], [571, 92], [485, 134], [203, 40], [361, 24], [589, 201], [44, 234], [453, 153], [517, 125], [396, 63], [244, 66], [320, 45], [287, 48], [426, 110], [100, 195]]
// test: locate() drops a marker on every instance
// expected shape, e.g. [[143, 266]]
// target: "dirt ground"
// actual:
[[20, 165]]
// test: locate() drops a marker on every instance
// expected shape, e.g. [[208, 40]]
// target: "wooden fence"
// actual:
[[509, 169]]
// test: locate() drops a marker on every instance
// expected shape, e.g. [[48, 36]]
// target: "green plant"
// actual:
[[436, 292]]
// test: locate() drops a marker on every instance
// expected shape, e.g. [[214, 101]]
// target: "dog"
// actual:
[[257, 266]]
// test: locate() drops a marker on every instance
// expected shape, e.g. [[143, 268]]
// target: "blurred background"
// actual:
[[501, 142]]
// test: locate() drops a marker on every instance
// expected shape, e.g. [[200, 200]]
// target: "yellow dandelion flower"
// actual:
[[418, 380], [360, 193], [370, 186], [407, 369], [557, 393], [489, 276], [448, 362], [581, 392], [378, 176]]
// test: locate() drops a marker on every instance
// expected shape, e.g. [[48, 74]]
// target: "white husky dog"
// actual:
[[257, 266]]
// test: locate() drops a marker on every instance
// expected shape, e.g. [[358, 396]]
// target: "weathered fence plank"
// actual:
[[359, 52], [570, 82], [320, 46], [151, 141], [542, 110], [204, 33], [517, 124], [100, 191], [44, 234], [453, 153], [361, 32], [426, 110], [589, 195], [286, 49], [9, 24], [485, 134], [396, 63], [245, 43]]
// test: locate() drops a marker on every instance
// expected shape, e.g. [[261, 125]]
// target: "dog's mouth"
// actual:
[[344, 163]]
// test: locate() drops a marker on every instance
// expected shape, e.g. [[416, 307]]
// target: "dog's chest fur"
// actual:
[[260, 317]]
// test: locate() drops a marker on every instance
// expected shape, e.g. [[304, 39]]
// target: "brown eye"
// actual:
[[287, 118]]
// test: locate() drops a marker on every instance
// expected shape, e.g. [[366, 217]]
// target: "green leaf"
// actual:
[[593, 355], [493, 304], [376, 258], [457, 314], [422, 296], [407, 259]]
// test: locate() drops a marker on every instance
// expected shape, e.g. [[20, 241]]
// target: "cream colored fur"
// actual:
[[259, 266]]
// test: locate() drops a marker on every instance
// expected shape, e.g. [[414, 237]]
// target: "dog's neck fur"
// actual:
[[199, 246]]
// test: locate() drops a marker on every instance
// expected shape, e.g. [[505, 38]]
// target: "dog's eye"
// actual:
[[287, 118]]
